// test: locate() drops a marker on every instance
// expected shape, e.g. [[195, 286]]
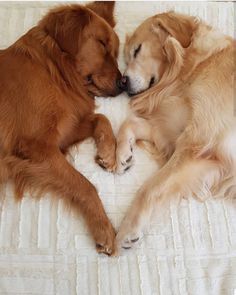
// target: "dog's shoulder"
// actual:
[[208, 40], [208, 47]]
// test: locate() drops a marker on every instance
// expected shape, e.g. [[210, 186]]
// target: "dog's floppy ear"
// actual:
[[178, 26], [127, 37], [105, 9], [65, 26]]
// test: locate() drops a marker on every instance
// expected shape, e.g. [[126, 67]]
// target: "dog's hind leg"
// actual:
[[182, 176], [50, 171]]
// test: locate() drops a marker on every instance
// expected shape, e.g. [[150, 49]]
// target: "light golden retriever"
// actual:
[[182, 73]]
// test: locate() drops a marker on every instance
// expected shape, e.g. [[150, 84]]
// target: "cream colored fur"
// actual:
[[188, 116]]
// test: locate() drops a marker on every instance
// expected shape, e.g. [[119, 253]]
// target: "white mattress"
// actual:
[[191, 248]]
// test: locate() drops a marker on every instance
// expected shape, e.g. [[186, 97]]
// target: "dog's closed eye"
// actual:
[[89, 79], [136, 51], [103, 43]]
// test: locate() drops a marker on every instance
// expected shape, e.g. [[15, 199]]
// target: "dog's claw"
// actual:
[[125, 157], [127, 168], [129, 159], [103, 164], [135, 240], [102, 249]]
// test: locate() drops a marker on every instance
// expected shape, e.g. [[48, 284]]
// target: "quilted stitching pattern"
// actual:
[[190, 249]]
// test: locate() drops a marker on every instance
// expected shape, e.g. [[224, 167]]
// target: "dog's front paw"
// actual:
[[106, 156], [124, 157]]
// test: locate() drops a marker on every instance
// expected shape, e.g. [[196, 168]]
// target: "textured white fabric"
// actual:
[[191, 248]]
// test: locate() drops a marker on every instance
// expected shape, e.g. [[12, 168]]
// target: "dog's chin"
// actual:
[[151, 83], [100, 93], [131, 94]]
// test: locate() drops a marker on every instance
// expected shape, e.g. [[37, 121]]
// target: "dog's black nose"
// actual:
[[123, 83]]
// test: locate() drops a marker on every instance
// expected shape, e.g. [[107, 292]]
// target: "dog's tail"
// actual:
[[226, 188]]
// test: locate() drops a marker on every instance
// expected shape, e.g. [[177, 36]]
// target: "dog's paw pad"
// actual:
[[129, 159], [130, 241], [135, 240], [100, 162], [126, 247], [103, 249], [104, 164], [125, 159]]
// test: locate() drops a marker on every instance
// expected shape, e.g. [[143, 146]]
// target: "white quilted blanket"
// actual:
[[191, 249]]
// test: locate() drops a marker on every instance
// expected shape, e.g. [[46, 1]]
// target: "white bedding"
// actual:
[[191, 248]]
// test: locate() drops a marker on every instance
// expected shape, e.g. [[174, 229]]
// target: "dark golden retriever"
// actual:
[[48, 80]]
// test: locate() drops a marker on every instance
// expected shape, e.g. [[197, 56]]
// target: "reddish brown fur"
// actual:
[[46, 105]]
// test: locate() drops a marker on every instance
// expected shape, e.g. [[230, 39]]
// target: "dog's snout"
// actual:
[[124, 80], [123, 83]]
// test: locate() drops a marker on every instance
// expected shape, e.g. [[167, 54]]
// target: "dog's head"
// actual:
[[147, 54], [86, 34]]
